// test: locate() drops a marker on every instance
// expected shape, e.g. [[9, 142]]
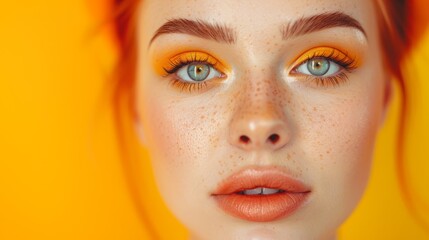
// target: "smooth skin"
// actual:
[[326, 132]]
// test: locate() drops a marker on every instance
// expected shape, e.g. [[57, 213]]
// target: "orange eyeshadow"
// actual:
[[331, 53], [165, 64]]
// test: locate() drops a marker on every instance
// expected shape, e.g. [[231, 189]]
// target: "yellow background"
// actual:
[[60, 171]]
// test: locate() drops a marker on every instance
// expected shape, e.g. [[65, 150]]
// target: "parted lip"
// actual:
[[260, 176], [252, 194]]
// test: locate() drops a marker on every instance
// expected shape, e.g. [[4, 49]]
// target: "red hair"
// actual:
[[400, 29], [397, 35], [125, 20]]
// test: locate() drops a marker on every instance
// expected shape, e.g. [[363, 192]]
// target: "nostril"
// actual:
[[274, 138], [244, 139]]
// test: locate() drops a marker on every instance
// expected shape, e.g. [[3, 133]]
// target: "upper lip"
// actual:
[[273, 177]]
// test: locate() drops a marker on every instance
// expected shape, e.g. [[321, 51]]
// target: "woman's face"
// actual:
[[260, 116]]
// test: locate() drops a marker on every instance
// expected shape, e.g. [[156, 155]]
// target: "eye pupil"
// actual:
[[198, 71], [318, 66]]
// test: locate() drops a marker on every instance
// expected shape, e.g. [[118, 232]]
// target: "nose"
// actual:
[[260, 126]]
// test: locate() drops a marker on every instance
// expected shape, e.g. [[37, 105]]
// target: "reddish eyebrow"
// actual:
[[199, 28], [319, 22], [225, 34]]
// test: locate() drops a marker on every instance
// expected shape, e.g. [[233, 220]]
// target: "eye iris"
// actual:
[[198, 72], [318, 66]]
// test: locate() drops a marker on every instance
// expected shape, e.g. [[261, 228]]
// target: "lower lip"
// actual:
[[261, 208]]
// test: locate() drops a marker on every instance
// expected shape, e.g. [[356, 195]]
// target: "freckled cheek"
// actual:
[[339, 151], [342, 133], [167, 133], [169, 129], [180, 137], [170, 134]]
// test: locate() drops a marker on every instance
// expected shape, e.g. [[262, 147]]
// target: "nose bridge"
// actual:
[[259, 121], [258, 103]]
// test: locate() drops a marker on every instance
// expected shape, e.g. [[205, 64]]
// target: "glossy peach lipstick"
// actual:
[[261, 194]]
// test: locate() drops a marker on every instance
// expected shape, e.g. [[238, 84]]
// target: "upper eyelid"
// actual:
[[206, 57], [183, 64], [194, 56], [177, 68], [320, 51], [347, 60]]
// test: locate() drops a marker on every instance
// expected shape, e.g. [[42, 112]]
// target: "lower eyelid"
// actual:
[[325, 82], [197, 87]]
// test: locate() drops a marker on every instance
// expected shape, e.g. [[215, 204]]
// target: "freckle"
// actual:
[[315, 109]]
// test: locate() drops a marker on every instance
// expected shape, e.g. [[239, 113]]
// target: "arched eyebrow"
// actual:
[[319, 22], [225, 34], [199, 28]]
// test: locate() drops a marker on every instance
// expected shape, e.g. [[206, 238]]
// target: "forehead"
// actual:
[[250, 18]]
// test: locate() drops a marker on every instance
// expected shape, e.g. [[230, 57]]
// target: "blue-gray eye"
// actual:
[[198, 71], [318, 66]]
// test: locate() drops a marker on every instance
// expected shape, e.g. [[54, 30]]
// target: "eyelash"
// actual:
[[193, 58], [191, 87], [343, 60], [176, 64]]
